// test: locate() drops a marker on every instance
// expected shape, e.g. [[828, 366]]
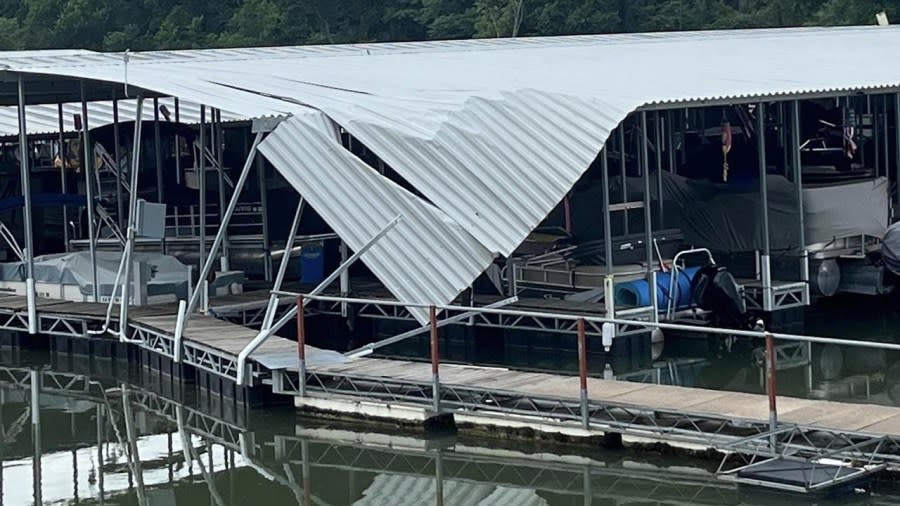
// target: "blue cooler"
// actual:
[[312, 263]]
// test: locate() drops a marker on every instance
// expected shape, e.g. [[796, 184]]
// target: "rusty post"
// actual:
[[301, 345], [770, 380], [582, 374], [435, 362]]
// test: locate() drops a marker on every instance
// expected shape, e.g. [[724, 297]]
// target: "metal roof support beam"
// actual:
[[282, 267], [120, 207], [220, 165], [607, 218], [897, 153], [62, 173], [25, 175], [229, 212], [645, 174], [88, 166], [132, 212], [266, 333], [797, 163], [765, 261]]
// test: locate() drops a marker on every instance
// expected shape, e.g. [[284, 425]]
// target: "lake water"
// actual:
[[106, 434]]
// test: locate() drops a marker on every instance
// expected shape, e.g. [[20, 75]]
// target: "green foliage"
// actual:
[[115, 25]]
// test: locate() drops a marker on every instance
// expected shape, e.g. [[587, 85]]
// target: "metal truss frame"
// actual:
[[537, 322], [727, 434], [784, 296]]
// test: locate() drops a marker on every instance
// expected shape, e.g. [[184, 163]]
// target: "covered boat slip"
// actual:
[[472, 160]]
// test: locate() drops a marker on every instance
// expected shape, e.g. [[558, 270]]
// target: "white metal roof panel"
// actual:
[[425, 258], [493, 133]]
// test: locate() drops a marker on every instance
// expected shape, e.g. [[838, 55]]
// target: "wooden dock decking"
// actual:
[[740, 409]]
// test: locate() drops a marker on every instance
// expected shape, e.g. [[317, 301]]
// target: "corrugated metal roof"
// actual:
[[425, 258], [393, 489], [44, 119], [494, 132]]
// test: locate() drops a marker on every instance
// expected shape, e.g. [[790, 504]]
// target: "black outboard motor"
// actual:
[[714, 289]]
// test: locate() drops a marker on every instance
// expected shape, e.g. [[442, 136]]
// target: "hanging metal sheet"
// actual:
[[426, 258]]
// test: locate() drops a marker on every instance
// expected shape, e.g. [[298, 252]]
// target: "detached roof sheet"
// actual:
[[492, 133]]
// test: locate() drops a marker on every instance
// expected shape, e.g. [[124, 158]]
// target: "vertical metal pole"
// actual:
[[772, 388], [264, 207], [132, 211], [657, 122], [885, 136], [645, 172], [25, 175], [36, 434], [622, 167], [797, 164], [157, 153], [670, 135], [764, 206], [435, 362], [62, 173], [89, 190], [201, 188], [582, 375], [306, 471], [607, 218], [220, 158], [120, 207], [177, 149], [876, 132], [301, 344], [345, 279], [897, 152]]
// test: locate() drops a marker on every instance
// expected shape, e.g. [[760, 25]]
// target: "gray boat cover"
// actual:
[[727, 217], [167, 274]]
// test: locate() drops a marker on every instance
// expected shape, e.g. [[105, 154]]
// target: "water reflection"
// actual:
[[70, 439]]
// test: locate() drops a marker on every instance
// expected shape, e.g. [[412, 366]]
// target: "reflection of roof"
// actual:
[[391, 489], [491, 133]]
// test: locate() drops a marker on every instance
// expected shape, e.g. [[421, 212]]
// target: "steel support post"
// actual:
[[272, 307], [670, 136], [645, 174], [201, 188], [63, 183], [267, 332], [157, 154], [264, 208], [301, 345], [582, 375], [435, 362], [25, 175], [624, 174], [607, 218], [220, 162], [345, 278], [120, 206], [772, 388], [133, 453], [100, 440], [765, 260], [221, 234], [658, 140], [180, 320], [797, 164], [89, 190], [177, 149], [897, 153], [132, 224]]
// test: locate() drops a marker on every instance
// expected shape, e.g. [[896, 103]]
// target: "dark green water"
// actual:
[[121, 438]]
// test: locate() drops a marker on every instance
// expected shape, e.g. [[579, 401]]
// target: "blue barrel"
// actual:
[[637, 292], [312, 263]]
